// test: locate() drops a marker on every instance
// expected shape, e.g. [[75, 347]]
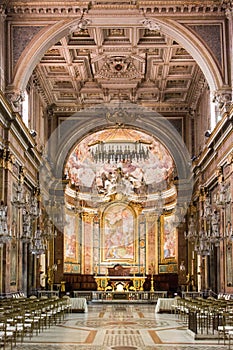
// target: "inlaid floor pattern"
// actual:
[[119, 327]]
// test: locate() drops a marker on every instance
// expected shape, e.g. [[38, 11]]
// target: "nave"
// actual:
[[120, 326]]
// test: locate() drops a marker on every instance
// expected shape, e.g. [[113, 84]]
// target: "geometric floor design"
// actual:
[[119, 327], [93, 347]]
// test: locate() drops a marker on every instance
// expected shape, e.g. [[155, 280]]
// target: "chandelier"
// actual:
[[207, 235], [29, 207], [55, 215], [222, 200], [38, 243], [119, 147], [115, 152], [5, 235], [27, 226], [19, 200]]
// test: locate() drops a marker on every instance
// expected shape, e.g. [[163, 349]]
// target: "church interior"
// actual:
[[116, 149]]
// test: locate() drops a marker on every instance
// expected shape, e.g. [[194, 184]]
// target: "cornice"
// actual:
[[169, 109], [184, 7], [39, 8]]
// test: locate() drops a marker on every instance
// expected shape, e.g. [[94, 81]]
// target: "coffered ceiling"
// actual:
[[103, 64]]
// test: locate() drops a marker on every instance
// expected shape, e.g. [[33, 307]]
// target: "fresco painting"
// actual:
[[152, 174], [169, 240], [70, 245], [119, 234]]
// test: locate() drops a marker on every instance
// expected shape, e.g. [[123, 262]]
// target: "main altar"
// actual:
[[119, 280]]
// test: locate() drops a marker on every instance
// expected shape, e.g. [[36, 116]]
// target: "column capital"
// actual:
[[223, 97], [16, 99]]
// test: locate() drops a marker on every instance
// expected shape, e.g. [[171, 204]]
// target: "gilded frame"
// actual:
[[169, 239], [70, 247], [118, 235]]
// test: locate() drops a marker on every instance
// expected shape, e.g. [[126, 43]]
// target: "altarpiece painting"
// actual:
[[118, 238]]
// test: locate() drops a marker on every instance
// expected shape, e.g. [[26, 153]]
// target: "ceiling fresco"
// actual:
[[135, 177]]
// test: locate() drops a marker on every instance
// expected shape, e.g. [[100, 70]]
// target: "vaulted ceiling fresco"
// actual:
[[120, 161]]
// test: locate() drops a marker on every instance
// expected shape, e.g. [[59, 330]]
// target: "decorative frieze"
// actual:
[[43, 9], [157, 7], [173, 7], [227, 3]]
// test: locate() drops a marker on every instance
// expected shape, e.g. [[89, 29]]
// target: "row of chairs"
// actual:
[[207, 316], [23, 317]]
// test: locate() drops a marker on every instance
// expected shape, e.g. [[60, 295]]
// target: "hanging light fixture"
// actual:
[[222, 200], [228, 231], [5, 235], [119, 147], [38, 243], [55, 211], [27, 227], [208, 236], [19, 200]]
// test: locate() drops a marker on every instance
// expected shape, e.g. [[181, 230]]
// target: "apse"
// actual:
[[118, 178]]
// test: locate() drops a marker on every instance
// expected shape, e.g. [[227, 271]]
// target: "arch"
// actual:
[[49, 36], [74, 129], [197, 50]]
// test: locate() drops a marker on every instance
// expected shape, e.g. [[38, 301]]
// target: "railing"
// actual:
[[14, 295], [140, 296], [203, 316], [192, 295], [47, 293], [81, 294]]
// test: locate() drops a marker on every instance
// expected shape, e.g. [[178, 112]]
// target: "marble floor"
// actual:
[[119, 327]]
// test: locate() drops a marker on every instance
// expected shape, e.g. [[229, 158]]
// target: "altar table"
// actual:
[[79, 304], [165, 304]]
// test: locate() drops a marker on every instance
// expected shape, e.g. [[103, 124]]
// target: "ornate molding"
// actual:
[[227, 3], [46, 9], [200, 88], [156, 6], [68, 110], [119, 116], [81, 25], [2, 13], [185, 7], [223, 98], [16, 99], [118, 67], [150, 24], [7, 159], [229, 13], [230, 159], [228, 6]]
